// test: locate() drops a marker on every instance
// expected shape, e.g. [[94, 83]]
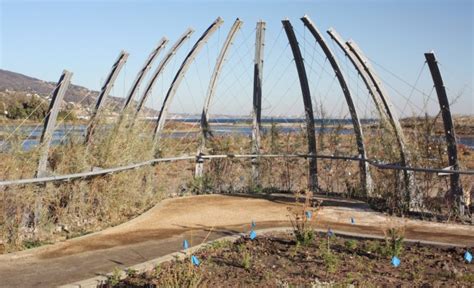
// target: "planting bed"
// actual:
[[275, 260]]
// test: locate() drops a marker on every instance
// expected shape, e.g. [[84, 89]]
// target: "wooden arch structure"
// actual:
[[360, 62]]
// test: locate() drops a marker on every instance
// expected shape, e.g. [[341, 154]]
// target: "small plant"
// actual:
[[220, 244], [302, 216], [131, 272], [246, 260], [200, 185], [182, 276], [331, 261], [372, 246], [255, 188], [394, 237], [29, 244], [241, 247], [156, 271], [115, 278], [351, 245]]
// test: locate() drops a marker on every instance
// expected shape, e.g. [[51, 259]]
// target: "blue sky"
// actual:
[[41, 38]]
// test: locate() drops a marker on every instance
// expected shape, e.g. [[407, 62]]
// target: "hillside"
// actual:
[[13, 81], [16, 82]]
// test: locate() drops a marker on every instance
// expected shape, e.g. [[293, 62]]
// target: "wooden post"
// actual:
[[180, 75], [205, 129], [365, 179], [308, 106], [50, 122], [142, 73], [410, 197], [161, 67], [456, 192], [365, 78], [104, 93], [257, 100]]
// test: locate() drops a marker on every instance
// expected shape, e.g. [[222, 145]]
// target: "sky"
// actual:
[[41, 38]]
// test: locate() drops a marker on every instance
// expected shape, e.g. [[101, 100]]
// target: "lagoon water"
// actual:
[[218, 126]]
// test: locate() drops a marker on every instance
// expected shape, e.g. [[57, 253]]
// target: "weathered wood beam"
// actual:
[[50, 122], [308, 106], [205, 129], [161, 67], [257, 99], [410, 197], [365, 179], [360, 69], [456, 192], [180, 75], [104, 93], [143, 72]]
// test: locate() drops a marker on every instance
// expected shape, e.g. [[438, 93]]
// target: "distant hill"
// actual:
[[17, 82], [13, 81]]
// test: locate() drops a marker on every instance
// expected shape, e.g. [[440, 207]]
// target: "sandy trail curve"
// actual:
[[160, 231]]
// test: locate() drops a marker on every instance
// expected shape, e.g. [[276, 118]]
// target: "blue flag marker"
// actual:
[[253, 235], [185, 244], [353, 221], [195, 260], [253, 224], [468, 257], [308, 214], [395, 261], [330, 233]]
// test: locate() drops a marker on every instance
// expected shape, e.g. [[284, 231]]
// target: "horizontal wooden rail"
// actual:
[[374, 163]]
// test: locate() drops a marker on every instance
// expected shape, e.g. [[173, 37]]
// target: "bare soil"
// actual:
[[277, 261], [161, 230]]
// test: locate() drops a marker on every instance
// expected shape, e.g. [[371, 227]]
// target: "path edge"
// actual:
[[179, 255]]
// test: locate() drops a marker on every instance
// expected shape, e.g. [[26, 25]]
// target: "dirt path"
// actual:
[[161, 230]]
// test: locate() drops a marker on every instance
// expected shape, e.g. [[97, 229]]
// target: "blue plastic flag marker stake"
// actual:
[[185, 244], [253, 224], [308, 214], [330, 233], [253, 235], [395, 261], [352, 220], [195, 260], [468, 257]]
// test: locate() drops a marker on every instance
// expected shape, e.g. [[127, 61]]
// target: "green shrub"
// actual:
[[351, 245], [394, 241]]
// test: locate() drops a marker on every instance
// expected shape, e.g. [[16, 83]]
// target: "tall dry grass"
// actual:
[[36, 214]]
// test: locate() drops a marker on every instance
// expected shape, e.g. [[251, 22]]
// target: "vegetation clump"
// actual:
[[302, 217]]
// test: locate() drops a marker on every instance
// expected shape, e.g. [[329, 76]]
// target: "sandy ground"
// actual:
[[161, 230]]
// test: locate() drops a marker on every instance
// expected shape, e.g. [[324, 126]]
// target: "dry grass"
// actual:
[[36, 214]]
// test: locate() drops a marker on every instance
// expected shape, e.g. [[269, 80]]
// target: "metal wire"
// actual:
[[374, 163]]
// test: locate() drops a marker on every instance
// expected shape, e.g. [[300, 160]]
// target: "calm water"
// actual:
[[79, 130]]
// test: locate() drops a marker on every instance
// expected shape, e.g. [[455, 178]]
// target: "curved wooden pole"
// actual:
[[205, 129], [142, 73], [180, 75], [104, 93], [456, 192], [257, 99], [308, 106], [410, 198], [363, 166], [160, 69], [50, 122], [365, 78]]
